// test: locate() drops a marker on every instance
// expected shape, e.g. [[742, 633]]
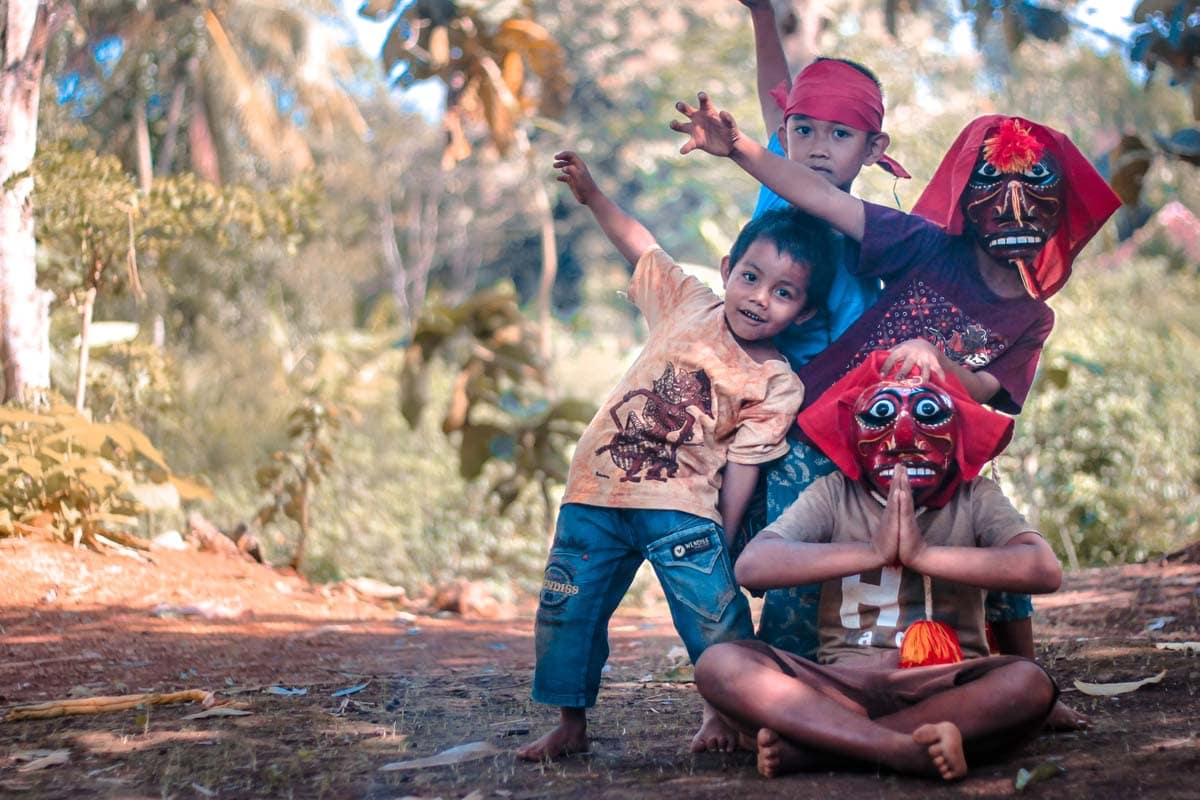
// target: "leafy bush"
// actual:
[[1106, 458], [65, 474]]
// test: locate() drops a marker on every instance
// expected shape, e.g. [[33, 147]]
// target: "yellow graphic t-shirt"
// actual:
[[693, 400]]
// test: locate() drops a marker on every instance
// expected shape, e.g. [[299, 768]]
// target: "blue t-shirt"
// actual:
[[849, 296]]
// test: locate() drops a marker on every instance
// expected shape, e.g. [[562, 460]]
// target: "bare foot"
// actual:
[[715, 734], [567, 738], [777, 756], [943, 742], [1065, 718]]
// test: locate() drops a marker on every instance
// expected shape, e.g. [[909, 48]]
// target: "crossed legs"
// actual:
[[806, 722]]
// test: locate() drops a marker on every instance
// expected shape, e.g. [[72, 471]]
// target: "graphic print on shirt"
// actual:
[[921, 312], [647, 439], [870, 612]]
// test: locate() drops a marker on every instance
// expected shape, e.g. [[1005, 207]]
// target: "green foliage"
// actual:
[[500, 400], [1106, 459], [91, 218], [290, 477], [65, 474]]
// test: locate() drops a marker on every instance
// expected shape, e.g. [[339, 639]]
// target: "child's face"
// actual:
[[831, 149], [764, 292]]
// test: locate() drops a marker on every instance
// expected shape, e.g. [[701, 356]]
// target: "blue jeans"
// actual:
[[789, 616], [595, 555]]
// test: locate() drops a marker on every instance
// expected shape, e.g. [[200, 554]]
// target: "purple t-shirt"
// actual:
[[933, 290]]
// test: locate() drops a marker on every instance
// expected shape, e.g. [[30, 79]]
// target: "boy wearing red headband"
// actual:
[[995, 233], [831, 119], [904, 536]]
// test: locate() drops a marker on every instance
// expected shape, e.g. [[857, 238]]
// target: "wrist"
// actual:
[[737, 149]]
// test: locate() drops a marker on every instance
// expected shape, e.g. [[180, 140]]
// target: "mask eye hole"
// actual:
[[1040, 174], [881, 412], [985, 173], [929, 411]]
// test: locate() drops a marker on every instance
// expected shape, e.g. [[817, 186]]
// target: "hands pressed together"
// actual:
[[897, 540]]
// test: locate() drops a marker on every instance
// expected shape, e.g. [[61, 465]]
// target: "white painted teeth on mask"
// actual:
[[1009, 240], [913, 472]]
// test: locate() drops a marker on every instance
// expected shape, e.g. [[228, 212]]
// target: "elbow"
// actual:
[[1049, 576], [745, 572]]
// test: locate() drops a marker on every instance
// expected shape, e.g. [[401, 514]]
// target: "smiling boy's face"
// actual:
[[834, 150], [765, 292]]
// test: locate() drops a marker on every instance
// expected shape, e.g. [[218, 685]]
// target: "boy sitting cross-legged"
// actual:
[[665, 469], [904, 537]]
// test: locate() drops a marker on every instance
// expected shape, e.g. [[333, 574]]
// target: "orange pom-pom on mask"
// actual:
[[928, 642], [1013, 148]]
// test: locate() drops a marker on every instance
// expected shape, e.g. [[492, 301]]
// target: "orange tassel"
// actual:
[[927, 642]]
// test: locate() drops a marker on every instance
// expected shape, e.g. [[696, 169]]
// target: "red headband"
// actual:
[[837, 92], [829, 424], [1087, 200]]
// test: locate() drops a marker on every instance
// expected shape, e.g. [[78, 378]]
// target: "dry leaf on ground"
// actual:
[[1113, 689]]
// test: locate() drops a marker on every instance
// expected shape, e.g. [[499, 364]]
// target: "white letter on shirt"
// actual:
[[885, 597]]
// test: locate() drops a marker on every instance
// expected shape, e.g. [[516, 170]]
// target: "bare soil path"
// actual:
[[76, 623]]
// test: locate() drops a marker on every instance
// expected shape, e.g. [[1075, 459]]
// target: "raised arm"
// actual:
[[628, 235], [715, 132], [770, 61]]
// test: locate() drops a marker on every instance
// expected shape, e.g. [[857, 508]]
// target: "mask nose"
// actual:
[[1013, 203], [904, 437]]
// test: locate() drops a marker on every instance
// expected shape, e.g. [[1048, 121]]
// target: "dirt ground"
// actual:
[[79, 624]]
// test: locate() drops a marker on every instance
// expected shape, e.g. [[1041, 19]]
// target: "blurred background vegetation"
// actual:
[[314, 253]]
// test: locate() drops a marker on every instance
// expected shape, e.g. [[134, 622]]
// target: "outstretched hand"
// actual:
[[708, 129], [914, 353], [574, 173]]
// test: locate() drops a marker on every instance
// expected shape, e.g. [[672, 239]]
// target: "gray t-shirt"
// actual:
[[873, 609]]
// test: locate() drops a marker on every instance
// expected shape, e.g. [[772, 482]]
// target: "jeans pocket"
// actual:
[[693, 566]]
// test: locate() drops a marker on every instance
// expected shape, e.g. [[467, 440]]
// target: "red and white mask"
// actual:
[[906, 422]]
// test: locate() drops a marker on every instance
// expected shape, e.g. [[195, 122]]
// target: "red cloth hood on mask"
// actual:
[[829, 424], [837, 92], [1088, 199]]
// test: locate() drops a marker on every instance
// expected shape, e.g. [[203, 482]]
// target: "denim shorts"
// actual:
[[595, 555], [789, 616]]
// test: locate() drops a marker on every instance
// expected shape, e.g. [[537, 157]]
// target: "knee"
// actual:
[[1036, 686], [715, 664]]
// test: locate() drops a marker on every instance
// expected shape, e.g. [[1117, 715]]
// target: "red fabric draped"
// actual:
[[829, 424], [1089, 200]]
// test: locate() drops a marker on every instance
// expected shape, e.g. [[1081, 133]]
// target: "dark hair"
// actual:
[[856, 66], [804, 238]]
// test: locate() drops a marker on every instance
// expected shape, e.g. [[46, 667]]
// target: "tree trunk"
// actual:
[[85, 329], [141, 139], [545, 217], [802, 43], [166, 150], [301, 545], [24, 327]]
